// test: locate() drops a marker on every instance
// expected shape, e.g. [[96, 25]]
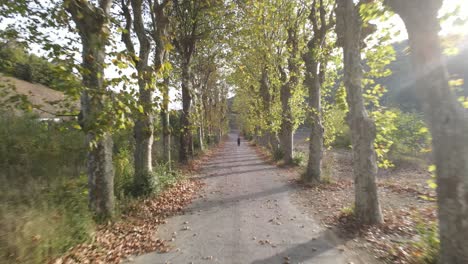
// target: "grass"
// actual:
[[43, 193], [347, 211], [45, 223], [327, 167], [277, 154], [43, 187], [427, 247], [300, 159]]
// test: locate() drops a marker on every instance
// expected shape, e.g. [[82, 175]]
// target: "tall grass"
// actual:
[[43, 187], [43, 194]]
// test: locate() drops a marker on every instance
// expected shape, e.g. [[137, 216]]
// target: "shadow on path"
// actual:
[[233, 173], [223, 161], [300, 253], [206, 205]]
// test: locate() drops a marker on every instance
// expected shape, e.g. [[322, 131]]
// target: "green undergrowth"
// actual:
[[277, 154], [425, 249], [43, 187], [347, 211], [43, 190], [300, 159], [422, 248]]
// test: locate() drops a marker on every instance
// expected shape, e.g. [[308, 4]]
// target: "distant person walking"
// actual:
[[238, 140]]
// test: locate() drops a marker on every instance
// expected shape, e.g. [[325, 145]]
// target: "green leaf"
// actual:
[[423, 130], [432, 184]]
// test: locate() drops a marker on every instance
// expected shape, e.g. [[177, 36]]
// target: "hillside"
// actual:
[[45, 102], [399, 83]]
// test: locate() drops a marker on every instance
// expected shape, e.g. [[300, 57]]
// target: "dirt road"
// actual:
[[246, 215]]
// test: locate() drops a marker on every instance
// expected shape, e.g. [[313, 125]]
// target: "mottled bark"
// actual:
[[144, 121], [160, 22], [269, 138], [187, 17], [143, 132], [273, 141], [349, 25], [219, 135], [166, 129], [100, 175], [290, 81], [92, 23], [200, 137], [314, 164], [202, 108], [448, 123], [315, 61], [186, 148], [206, 118], [286, 131]]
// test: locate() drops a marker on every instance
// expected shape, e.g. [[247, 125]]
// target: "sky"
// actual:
[[449, 26]]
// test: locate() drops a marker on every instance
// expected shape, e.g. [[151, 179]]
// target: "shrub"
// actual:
[[16, 61], [385, 122], [43, 186], [248, 136], [43, 193], [411, 137], [335, 128], [347, 211], [299, 158], [427, 247], [400, 137], [327, 167], [23, 72], [165, 176], [36, 227], [124, 170], [277, 154], [124, 186]]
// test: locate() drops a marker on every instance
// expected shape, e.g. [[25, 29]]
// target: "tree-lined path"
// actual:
[[106, 105], [246, 215]]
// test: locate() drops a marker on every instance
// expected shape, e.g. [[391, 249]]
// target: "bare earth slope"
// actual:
[[246, 215], [46, 101]]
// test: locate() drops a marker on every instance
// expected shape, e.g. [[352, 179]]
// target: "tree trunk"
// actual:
[[349, 24], [273, 141], [200, 137], [160, 22], [202, 127], [264, 139], [448, 124], [166, 131], [269, 140], [143, 132], [92, 24], [186, 133], [286, 133], [315, 60], [314, 164], [100, 174], [143, 129]]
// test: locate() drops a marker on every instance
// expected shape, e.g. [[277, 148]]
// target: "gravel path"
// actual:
[[245, 215]]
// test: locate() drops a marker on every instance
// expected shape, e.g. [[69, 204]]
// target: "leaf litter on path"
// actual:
[[135, 233]]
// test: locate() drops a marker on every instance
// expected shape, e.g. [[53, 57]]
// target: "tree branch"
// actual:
[[126, 36]]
